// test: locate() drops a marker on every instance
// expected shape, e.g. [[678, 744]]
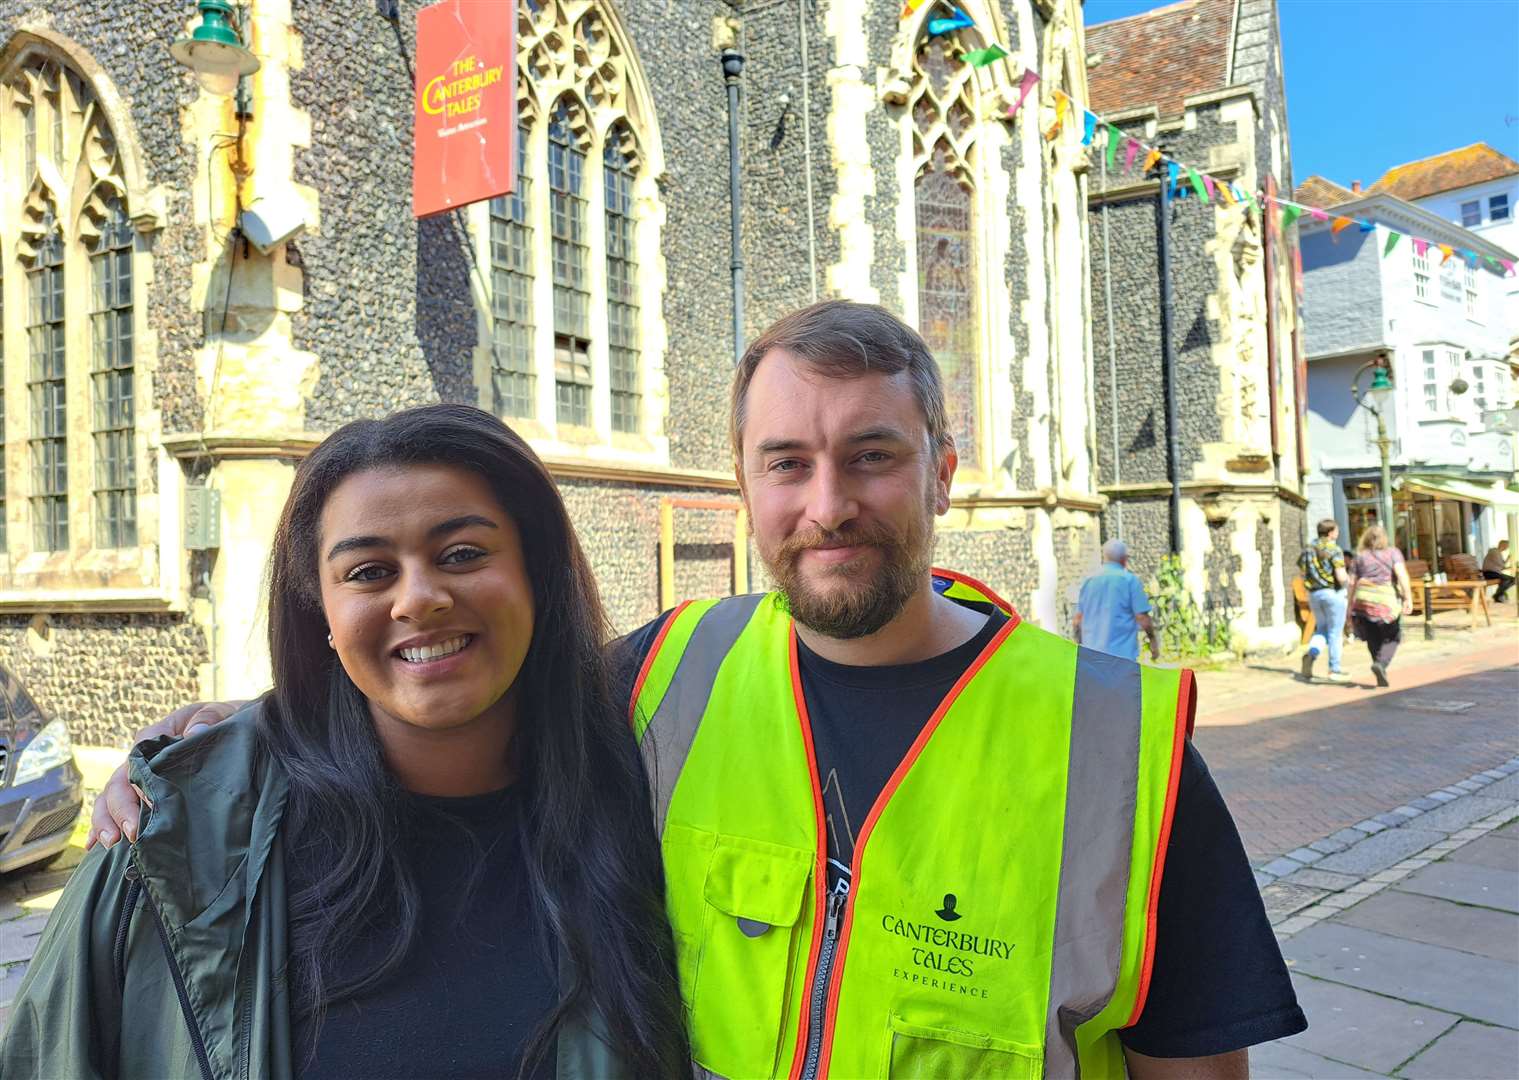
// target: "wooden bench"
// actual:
[[1462, 589]]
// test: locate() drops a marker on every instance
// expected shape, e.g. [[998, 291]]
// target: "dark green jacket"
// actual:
[[189, 980]]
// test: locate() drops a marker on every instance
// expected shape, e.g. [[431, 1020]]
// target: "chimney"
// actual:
[[1355, 187]]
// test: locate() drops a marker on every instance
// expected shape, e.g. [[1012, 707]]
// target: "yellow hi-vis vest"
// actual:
[[999, 920]]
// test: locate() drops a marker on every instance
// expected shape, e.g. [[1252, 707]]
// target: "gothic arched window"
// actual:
[[75, 245], [943, 108], [568, 298]]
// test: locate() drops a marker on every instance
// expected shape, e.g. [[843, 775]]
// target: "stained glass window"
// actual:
[[622, 284], [512, 293], [947, 293], [46, 387], [112, 384], [571, 260]]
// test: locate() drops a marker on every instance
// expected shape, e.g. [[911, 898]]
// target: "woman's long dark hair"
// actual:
[[592, 855]]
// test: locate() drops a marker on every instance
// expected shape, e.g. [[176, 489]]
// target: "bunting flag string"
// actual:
[[1182, 180]]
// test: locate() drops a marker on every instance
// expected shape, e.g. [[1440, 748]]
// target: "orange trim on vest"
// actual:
[[648, 660], [820, 876], [1185, 709], [903, 767], [984, 590]]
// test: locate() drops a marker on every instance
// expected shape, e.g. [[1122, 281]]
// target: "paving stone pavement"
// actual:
[[1409, 969]]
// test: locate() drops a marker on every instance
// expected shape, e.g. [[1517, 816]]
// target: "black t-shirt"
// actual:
[[1218, 982], [478, 981]]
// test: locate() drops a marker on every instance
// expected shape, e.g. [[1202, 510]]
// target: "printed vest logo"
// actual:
[[940, 958]]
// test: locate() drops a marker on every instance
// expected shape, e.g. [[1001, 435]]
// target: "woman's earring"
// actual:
[[329, 641]]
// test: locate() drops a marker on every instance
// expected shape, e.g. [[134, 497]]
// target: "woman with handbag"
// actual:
[[1379, 598]]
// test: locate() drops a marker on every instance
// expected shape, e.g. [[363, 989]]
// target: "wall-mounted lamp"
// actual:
[[214, 50]]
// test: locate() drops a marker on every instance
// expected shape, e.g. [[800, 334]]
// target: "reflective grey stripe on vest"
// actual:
[[1101, 785], [672, 729]]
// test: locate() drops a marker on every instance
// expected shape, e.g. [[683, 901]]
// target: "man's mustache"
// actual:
[[819, 539]]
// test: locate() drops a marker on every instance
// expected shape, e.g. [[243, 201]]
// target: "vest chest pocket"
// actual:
[[753, 896], [916, 1052]]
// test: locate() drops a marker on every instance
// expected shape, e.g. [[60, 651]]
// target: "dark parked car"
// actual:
[[41, 790]]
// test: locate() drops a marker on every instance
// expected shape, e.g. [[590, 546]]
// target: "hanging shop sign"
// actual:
[[465, 126]]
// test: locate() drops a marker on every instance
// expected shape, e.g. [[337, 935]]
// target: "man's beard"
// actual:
[[865, 599]]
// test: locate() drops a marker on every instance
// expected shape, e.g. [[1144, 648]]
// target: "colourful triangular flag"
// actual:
[[1317, 214], [1025, 84], [1508, 264], [1340, 225], [1494, 263], [1290, 214], [958, 21], [1090, 129], [1225, 196], [1131, 148], [988, 55], [1113, 136], [1197, 183], [912, 5], [1150, 159], [1209, 184], [1421, 247], [1445, 252], [1366, 226], [1061, 104], [1470, 257], [1392, 242], [1173, 176]]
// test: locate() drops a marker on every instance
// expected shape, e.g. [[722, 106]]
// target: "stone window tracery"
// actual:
[[75, 244], [943, 106], [577, 235]]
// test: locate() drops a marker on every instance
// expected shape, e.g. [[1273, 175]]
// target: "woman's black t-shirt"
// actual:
[[478, 980]]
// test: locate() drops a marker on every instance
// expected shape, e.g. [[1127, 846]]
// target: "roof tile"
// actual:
[[1159, 57], [1454, 169]]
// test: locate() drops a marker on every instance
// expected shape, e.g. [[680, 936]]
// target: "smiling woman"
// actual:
[[436, 824]]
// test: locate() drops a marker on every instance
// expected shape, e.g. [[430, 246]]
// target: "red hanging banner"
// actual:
[[465, 126]]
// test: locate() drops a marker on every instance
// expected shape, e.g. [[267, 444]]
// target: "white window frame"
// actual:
[[1493, 205], [1422, 276], [1430, 372], [1475, 206], [1472, 292]]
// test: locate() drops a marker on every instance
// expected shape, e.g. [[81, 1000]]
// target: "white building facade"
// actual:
[[1441, 324]]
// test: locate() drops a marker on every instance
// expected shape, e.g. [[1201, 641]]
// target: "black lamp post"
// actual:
[[733, 67]]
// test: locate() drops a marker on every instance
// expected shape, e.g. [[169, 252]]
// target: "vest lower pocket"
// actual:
[[917, 1052], [753, 895]]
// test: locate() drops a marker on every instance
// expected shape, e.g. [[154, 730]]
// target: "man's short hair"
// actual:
[[1327, 526], [841, 339], [1115, 551]]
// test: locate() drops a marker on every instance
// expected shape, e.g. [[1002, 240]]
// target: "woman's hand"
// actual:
[[117, 810]]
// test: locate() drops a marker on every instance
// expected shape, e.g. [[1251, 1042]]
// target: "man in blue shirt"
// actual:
[[1113, 608]]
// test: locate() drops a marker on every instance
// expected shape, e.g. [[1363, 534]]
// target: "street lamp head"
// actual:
[[1381, 388], [733, 63], [214, 51]]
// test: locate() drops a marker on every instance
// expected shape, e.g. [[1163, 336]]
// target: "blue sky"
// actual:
[[1376, 83]]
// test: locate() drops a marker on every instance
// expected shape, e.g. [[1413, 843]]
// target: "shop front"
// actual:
[[1435, 516]]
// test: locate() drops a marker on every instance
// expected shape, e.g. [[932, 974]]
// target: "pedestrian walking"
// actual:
[[1323, 567], [1380, 596], [1495, 568], [907, 833], [1113, 609]]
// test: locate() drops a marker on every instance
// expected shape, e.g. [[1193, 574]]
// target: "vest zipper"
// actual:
[[124, 923], [196, 1040], [837, 899]]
